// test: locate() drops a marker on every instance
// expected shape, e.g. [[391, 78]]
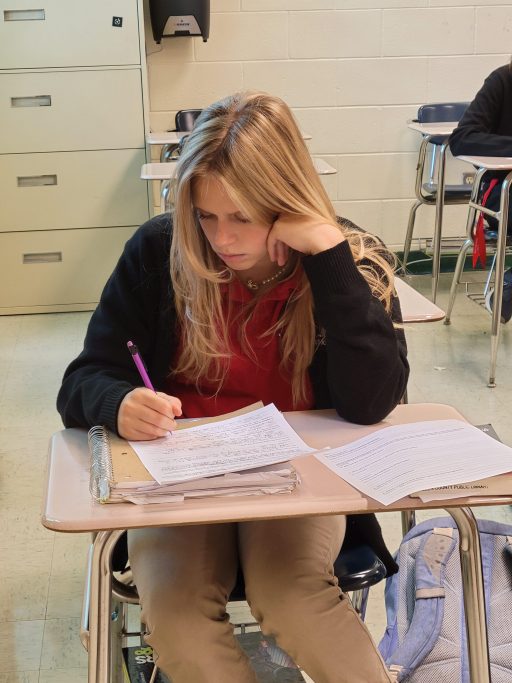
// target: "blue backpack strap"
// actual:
[[431, 560]]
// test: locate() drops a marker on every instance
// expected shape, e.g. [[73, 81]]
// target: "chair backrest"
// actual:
[[442, 111], [185, 119]]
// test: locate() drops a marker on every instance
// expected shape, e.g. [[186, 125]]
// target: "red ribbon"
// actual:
[[479, 248]]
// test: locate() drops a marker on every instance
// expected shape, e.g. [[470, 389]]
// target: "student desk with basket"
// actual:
[[70, 508], [484, 164], [428, 132]]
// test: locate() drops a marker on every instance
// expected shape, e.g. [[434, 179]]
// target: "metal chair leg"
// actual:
[[409, 234], [408, 520], [489, 278], [169, 152], [459, 267], [473, 594], [436, 243], [165, 205], [498, 280], [100, 607]]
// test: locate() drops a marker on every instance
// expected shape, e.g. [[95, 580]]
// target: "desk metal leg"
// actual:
[[473, 594], [165, 204], [470, 223], [498, 278], [408, 520], [438, 227], [100, 607]]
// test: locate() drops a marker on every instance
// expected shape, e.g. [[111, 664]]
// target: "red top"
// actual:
[[249, 379]]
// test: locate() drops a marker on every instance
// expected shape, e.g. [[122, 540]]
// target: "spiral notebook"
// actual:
[[119, 475]]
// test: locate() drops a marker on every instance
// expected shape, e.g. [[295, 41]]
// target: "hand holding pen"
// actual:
[[145, 413]]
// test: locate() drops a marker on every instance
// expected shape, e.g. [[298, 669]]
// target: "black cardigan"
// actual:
[[486, 127], [359, 366]]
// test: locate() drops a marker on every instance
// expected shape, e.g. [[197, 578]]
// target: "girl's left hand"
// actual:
[[303, 234]]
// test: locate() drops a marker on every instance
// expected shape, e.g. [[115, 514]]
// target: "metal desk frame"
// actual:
[[69, 464], [485, 164]]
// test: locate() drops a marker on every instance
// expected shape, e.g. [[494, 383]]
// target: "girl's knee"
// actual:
[[283, 599], [178, 620]]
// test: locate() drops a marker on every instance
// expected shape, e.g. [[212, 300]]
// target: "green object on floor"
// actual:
[[138, 665], [420, 263], [271, 664]]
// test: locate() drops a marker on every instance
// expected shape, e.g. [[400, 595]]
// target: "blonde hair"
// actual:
[[251, 143]]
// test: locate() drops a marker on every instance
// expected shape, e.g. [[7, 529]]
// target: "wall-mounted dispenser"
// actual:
[[175, 18]]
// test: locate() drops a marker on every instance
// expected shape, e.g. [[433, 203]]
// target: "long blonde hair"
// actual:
[[252, 144]]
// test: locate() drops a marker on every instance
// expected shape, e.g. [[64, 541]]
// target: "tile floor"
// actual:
[[41, 573]]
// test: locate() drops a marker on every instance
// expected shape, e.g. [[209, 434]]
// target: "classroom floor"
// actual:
[[41, 573]]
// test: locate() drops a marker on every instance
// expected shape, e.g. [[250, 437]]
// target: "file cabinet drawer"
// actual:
[[58, 33], [72, 190], [51, 269], [71, 110]]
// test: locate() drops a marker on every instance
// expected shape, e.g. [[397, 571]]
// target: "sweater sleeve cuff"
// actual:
[[333, 270], [111, 403]]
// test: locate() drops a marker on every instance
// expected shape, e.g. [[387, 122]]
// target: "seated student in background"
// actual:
[[486, 130], [249, 290]]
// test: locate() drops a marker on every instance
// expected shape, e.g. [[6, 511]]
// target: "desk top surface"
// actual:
[[166, 170], [172, 137], [416, 308], [491, 163], [69, 506], [441, 128]]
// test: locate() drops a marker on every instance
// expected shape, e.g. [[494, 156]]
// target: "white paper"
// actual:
[[492, 486], [254, 439], [396, 461]]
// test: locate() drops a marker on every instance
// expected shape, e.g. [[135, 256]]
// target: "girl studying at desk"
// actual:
[[250, 290]]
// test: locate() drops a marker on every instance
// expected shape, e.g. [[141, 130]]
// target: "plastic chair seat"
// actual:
[[462, 192], [356, 568]]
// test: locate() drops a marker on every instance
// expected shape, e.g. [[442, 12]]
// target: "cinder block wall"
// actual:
[[353, 72]]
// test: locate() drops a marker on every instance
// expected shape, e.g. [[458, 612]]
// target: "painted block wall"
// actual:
[[353, 72]]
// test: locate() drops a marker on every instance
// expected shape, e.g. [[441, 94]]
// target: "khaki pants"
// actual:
[[184, 576]]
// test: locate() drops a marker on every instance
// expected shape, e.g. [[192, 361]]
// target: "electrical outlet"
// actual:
[[468, 178]]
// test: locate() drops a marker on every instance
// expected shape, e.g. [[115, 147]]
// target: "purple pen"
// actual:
[[140, 365]]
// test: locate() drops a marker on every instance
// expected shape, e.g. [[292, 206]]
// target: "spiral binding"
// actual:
[[101, 464]]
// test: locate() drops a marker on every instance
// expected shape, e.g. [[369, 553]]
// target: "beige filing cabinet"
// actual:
[[72, 142]]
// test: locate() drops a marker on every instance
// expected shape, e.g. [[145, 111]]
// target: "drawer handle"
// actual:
[[36, 180], [24, 15], [35, 101], [43, 257]]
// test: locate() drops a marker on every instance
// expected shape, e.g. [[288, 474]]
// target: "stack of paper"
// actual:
[[398, 461], [272, 479], [245, 454]]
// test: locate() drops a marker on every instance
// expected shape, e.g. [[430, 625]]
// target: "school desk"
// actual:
[[484, 164], [69, 508], [429, 131], [415, 307], [170, 141], [164, 172], [173, 137]]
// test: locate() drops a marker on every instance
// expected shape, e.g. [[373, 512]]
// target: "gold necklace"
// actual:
[[251, 284]]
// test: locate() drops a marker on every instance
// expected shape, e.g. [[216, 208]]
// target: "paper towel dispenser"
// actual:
[[176, 18]]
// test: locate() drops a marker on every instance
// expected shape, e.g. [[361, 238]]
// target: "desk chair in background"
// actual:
[[183, 123], [433, 191], [501, 243]]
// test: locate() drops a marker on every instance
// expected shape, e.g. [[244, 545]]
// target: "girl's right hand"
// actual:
[[145, 415]]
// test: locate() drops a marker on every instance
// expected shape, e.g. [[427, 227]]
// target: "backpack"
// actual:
[[425, 638]]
